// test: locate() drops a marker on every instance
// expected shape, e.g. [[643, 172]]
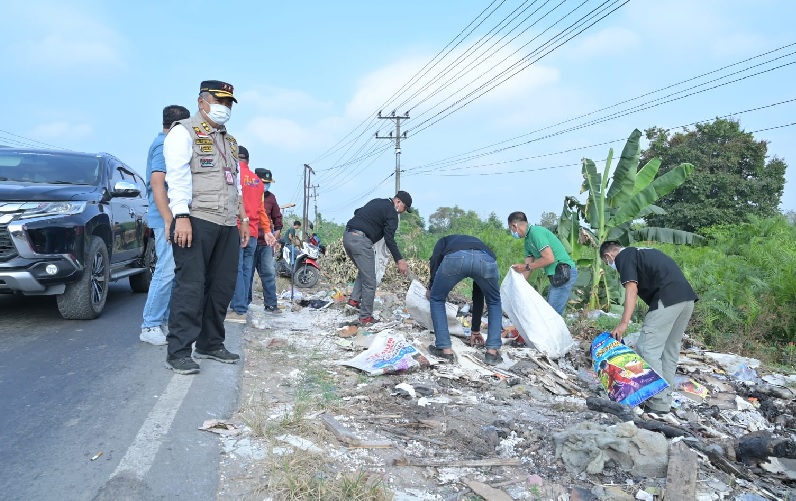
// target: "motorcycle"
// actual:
[[305, 271]]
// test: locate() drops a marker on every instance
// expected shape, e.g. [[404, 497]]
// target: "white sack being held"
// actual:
[[534, 318], [420, 309]]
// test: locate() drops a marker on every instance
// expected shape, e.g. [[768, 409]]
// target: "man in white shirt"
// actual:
[[204, 191]]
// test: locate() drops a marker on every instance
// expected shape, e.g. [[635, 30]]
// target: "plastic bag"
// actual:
[[389, 353], [537, 321]]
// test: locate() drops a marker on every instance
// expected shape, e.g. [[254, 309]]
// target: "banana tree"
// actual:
[[610, 210]]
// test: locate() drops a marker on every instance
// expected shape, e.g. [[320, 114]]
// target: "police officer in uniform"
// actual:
[[205, 199]]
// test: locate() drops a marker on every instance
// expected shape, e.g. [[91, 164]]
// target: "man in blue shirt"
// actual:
[[156, 309]]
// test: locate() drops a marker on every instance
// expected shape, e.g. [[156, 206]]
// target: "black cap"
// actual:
[[243, 153], [264, 174], [406, 198], [218, 88]]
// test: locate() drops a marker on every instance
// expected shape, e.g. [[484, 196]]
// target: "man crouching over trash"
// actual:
[[456, 257]]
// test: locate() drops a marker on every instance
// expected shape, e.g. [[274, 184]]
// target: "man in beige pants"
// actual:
[[658, 281]]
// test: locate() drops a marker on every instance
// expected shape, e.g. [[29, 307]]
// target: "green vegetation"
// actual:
[[742, 270], [731, 180], [609, 212]]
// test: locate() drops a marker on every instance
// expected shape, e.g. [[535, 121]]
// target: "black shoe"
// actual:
[[222, 355], [433, 350], [184, 365], [273, 310], [493, 358]]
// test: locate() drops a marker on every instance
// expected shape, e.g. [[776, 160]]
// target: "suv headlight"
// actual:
[[54, 209]]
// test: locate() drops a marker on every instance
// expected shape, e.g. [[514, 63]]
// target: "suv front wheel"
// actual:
[[85, 299]]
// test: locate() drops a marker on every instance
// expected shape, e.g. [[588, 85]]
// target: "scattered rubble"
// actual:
[[533, 428]]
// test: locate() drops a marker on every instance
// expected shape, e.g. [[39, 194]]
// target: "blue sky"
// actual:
[[310, 77]]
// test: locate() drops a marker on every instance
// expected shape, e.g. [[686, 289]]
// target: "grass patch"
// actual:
[[304, 476], [315, 391]]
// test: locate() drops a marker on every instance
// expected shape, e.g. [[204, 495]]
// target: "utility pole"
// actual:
[[307, 175], [397, 139], [315, 199]]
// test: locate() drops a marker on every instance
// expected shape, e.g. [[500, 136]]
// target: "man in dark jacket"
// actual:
[[264, 256], [456, 257], [375, 220], [658, 281]]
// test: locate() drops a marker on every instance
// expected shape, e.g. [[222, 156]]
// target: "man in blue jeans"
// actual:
[[264, 256], [253, 189], [455, 258], [544, 250], [156, 309]]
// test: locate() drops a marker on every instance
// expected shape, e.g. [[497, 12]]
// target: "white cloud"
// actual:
[[61, 131], [281, 133], [289, 101], [59, 36]]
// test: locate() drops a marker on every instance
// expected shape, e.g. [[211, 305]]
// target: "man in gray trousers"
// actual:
[[375, 220], [658, 281]]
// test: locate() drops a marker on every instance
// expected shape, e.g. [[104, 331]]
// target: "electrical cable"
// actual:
[[606, 108]]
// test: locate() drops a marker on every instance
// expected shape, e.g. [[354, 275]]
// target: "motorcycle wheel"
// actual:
[[306, 276]]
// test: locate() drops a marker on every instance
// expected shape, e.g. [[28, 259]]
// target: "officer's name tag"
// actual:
[[229, 176]]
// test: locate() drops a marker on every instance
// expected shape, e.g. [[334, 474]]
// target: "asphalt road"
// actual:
[[70, 390]]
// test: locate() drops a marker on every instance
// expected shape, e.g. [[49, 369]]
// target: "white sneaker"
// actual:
[[153, 335]]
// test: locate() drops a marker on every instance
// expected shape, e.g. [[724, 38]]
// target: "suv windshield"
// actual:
[[48, 168]]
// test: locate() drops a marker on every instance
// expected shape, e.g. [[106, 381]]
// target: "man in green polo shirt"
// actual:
[[544, 250]]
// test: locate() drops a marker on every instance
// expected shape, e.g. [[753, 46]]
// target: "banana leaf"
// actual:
[[624, 179], [647, 174], [652, 193], [668, 236], [592, 180]]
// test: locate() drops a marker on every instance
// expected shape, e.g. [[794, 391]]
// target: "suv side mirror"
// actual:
[[125, 189]]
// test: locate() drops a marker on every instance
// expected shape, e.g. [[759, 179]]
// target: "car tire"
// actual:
[[140, 282], [85, 299]]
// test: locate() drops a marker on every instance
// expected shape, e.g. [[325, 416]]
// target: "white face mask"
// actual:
[[218, 113], [612, 265]]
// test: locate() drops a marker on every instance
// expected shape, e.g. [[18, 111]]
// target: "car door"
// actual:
[[126, 212]]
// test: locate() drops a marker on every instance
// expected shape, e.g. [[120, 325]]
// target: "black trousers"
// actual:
[[204, 281]]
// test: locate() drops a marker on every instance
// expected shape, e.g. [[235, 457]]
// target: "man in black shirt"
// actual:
[[377, 219], [658, 281], [456, 257]]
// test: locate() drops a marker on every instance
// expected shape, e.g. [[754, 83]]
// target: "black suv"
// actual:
[[69, 224]]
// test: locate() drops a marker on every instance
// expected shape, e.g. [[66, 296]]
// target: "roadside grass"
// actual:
[[301, 475], [314, 392]]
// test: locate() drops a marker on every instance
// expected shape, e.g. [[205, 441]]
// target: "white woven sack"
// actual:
[[533, 317]]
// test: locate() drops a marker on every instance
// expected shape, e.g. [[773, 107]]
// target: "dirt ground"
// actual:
[[310, 428]]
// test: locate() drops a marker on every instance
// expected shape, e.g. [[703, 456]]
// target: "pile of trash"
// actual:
[[537, 426], [337, 268]]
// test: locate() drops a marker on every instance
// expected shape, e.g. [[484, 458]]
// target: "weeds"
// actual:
[[302, 476]]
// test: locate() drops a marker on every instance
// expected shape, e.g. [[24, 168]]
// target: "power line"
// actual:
[[29, 142], [432, 120], [445, 160], [536, 169], [415, 76], [415, 170]]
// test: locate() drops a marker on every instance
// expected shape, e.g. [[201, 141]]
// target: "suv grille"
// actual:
[[7, 249]]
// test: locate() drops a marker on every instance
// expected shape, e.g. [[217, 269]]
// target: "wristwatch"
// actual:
[[245, 220], [527, 267]]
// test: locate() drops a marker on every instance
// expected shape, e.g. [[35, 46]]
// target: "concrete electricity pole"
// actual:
[[397, 139], [315, 199], [307, 174]]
